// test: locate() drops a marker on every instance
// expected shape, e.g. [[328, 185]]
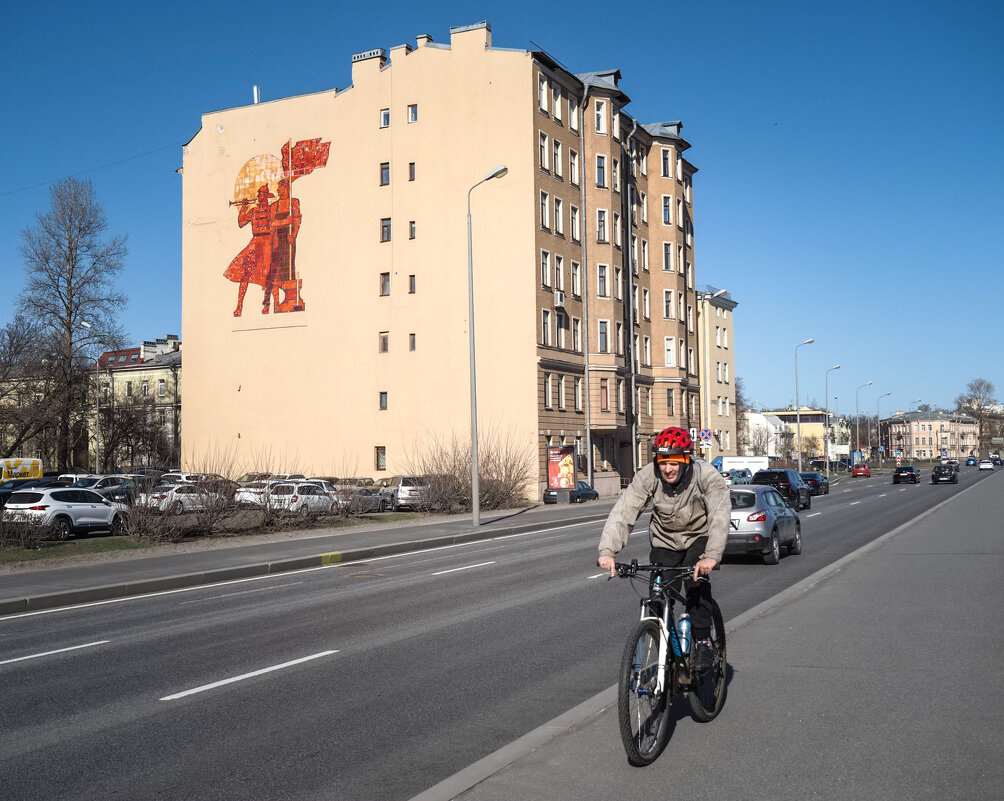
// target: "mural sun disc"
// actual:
[[262, 170]]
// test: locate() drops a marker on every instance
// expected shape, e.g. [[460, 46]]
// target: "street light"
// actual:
[[878, 424], [798, 412], [97, 418], [826, 428], [908, 437], [857, 417], [498, 172], [703, 298]]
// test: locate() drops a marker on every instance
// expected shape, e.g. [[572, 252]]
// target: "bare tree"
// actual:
[[978, 400], [742, 423], [28, 409], [70, 293], [759, 441]]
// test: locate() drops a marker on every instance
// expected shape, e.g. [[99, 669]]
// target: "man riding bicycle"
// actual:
[[690, 524]]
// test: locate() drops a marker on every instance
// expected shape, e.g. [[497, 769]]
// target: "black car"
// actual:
[[580, 493], [944, 473], [818, 483], [789, 483], [906, 473]]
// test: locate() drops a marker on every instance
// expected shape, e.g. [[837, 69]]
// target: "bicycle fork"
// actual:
[[665, 632]]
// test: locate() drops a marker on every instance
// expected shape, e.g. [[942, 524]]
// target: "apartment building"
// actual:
[[930, 434], [325, 267], [718, 371]]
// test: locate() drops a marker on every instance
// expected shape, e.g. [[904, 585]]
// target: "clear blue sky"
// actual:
[[851, 154]]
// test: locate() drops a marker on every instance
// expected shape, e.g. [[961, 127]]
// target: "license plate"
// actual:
[[734, 524]]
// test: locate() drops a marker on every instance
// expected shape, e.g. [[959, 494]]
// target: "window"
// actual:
[[576, 279], [667, 256], [615, 175], [385, 229], [383, 401], [561, 325], [385, 118], [690, 317], [561, 392], [679, 167], [547, 391], [648, 402], [604, 340], [617, 229], [413, 112], [380, 457], [690, 275], [545, 221], [601, 225], [573, 223], [411, 170], [559, 227], [559, 272], [618, 338], [690, 360], [411, 342], [683, 356], [644, 207], [601, 281], [556, 160], [542, 94], [604, 395], [601, 171], [543, 151], [669, 402], [670, 352], [411, 229], [726, 372], [600, 108], [556, 102], [666, 156], [385, 173], [577, 334], [578, 394], [718, 336], [667, 210], [545, 268], [145, 389], [384, 284], [573, 113], [679, 213], [383, 341], [618, 282], [620, 395], [617, 122], [679, 258], [645, 308], [725, 337], [573, 167], [411, 284], [718, 371], [128, 389], [667, 304], [161, 387], [545, 327], [644, 255]]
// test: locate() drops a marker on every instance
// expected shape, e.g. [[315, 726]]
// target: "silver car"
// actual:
[[761, 522]]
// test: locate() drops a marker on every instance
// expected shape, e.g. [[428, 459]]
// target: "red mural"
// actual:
[[269, 260]]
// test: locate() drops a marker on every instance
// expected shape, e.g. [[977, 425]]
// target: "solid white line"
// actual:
[[814, 514], [50, 653], [468, 567], [215, 684], [855, 503]]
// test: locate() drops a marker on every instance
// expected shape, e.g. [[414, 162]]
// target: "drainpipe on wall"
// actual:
[[584, 235]]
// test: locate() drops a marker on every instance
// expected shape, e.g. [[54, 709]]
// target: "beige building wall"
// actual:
[[717, 360]]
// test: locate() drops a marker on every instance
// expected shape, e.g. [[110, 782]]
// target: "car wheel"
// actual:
[[773, 556], [382, 506], [795, 547], [304, 512], [119, 525], [808, 502], [61, 528], [177, 508]]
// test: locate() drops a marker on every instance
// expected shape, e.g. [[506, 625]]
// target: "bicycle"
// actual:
[[656, 666]]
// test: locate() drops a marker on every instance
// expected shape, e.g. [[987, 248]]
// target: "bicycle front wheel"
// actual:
[[707, 689], [642, 710]]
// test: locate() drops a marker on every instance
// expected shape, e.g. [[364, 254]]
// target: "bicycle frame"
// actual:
[[665, 593]]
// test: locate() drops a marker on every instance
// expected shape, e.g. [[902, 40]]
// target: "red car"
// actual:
[[861, 469]]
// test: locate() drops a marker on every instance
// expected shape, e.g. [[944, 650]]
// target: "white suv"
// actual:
[[66, 510]]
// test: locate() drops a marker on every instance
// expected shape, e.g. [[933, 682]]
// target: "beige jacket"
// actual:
[[678, 517]]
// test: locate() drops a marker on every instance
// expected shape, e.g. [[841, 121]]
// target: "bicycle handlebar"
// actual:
[[633, 568]]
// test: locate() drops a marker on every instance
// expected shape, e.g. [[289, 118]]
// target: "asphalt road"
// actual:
[[361, 681]]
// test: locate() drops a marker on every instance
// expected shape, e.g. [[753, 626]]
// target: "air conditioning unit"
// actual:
[[559, 298]]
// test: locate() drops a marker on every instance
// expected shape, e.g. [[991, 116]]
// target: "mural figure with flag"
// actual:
[[269, 260]]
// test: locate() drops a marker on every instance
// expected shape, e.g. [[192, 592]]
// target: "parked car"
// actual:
[[99, 483], [761, 522], [178, 498], [728, 477], [996, 460], [253, 493], [180, 478], [405, 491], [66, 510], [986, 464], [818, 483], [944, 473], [861, 469], [12, 485], [906, 473], [349, 483], [299, 498], [739, 475], [789, 484], [818, 464], [580, 493], [970, 461], [363, 499]]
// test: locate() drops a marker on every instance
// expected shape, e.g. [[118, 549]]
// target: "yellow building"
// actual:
[[325, 294]]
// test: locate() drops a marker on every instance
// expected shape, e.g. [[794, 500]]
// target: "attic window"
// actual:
[[134, 358]]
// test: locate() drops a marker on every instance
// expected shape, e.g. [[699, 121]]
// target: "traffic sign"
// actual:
[[706, 434]]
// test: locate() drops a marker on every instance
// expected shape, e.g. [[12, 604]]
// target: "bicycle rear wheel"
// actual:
[[707, 689], [642, 710]]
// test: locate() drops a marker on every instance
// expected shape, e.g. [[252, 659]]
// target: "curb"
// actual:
[[108, 592]]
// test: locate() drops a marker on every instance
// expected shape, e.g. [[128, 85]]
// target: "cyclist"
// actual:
[[690, 524]]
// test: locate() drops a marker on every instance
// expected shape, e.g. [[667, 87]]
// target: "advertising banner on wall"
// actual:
[[561, 467]]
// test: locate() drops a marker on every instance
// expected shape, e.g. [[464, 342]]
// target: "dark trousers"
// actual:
[[698, 593]]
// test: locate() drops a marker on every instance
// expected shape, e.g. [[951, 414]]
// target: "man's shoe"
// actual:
[[703, 656]]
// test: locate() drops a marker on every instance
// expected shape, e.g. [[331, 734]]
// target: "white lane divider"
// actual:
[[814, 514], [50, 653], [883, 495], [855, 503], [468, 567], [251, 675]]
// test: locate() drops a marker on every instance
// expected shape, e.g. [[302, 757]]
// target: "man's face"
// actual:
[[670, 471]]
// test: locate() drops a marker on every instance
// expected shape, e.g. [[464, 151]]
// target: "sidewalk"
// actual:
[[124, 574], [877, 678]]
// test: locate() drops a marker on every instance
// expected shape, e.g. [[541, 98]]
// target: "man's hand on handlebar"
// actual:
[[702, 568], [609, 564]]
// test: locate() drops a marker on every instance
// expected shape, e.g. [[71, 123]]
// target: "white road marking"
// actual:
[[814, 514], [600, 575], [254, 673], [467, 567], [855, 503], [883, 495], [242, 592], [57, 651]]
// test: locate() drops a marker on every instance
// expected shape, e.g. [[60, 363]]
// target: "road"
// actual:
[[360, 681]]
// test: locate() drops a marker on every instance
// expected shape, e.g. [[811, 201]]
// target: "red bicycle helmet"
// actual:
[[672, 441]]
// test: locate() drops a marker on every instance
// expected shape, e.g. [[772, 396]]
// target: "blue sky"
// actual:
[[850, 154]]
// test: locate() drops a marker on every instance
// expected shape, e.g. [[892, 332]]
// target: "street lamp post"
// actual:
[[878, 425], [909, 437], [498, 172], [798, 411], [826, 428], [857, 417]]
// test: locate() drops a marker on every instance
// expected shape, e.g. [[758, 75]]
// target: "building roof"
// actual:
[[607, 80], [120, 358]]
